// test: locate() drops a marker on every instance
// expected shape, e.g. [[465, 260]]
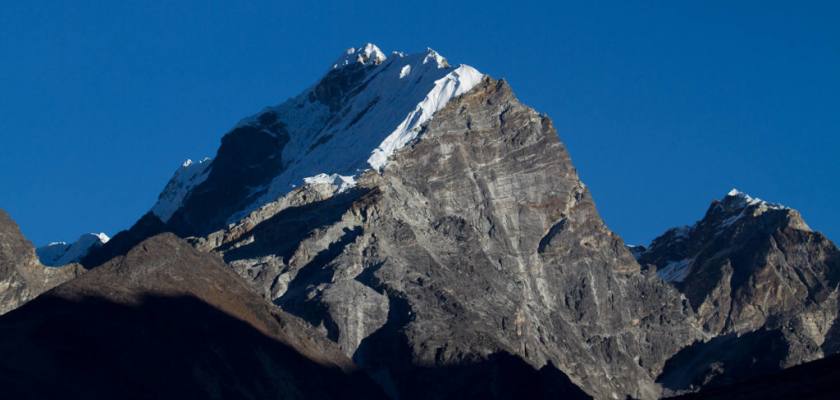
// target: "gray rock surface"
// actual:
[[478, 239], [22, 276]]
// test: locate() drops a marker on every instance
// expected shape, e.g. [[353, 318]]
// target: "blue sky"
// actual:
[[663, 107]]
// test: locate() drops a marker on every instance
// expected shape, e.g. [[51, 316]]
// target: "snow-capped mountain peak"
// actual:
[[738, 199], [62, 253], [737, 205], [189, 175], [433, 56], [727, 218], [369, 54], [365, 108]]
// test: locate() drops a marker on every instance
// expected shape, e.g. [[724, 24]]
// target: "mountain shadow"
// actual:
[[816, 380], [167, 321], [146, 227], [387, 357], [159, 348], [725, 360]]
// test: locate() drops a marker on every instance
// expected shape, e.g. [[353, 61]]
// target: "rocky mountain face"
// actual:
[[762, 284], [478, 239], [409, 229], [22, 276]]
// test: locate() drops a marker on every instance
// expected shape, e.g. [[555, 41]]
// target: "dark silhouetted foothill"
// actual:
[[816, 380], [167, 321]]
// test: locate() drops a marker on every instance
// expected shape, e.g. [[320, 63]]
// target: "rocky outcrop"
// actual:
[[754, 272], [478, 239], [167, 321], [22, 276]]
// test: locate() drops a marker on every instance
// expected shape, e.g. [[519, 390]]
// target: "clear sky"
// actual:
[[664, 108]]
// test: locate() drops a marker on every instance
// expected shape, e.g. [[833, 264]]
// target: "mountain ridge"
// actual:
[[418, 222]]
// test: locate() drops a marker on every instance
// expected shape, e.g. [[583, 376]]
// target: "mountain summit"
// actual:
[[758, 278], [365, 108]]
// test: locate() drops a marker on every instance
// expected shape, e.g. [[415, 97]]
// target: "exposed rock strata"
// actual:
[[479, 238]]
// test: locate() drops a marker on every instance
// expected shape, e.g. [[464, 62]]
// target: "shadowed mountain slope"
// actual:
[[166, 321]]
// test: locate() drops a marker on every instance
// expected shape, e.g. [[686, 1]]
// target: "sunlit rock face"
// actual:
[[22, 276], [476, 239]]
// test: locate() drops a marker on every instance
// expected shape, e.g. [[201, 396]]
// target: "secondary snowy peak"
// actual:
[[364, 109], [433, 56], [739, 200], [62, 253], [189, 175], [725, 223], [737, 206], [369, 54], [734, 208]]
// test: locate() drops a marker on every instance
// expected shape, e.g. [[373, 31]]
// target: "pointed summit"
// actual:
[[369, 54], [434, 56], [365, 108], [57, 254], [738, 199]]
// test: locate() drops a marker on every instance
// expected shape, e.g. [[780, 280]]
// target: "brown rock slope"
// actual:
[[166, 321], [22, 276]]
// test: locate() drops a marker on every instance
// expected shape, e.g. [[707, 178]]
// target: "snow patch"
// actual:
[[433, 56], [454, 84], [188, 176], [675, 271], [342, 182], [742, 199], [369, 54], [405, 71], [745, 206]]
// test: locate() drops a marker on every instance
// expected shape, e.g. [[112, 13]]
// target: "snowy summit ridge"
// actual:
[[57, 254], [189, 175], [741, 199], [369, 54], [365, 108]]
